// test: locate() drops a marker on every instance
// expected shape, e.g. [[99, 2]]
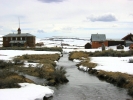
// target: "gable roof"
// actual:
[[128, 37], [98, 37], [18, 35]]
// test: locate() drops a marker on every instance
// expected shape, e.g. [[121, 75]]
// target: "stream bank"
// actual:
[[84, 86]]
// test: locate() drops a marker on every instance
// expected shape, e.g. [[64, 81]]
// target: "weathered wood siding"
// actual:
[[6, 41], [31, 41]]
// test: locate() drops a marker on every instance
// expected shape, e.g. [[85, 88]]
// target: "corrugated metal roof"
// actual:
[[98, 37], [18, 35]]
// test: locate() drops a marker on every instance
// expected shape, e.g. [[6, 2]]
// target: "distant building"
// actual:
[[114, 42], [97, 40], [19, 39], [128, 39]]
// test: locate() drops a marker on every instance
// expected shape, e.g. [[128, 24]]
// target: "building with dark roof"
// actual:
[[19, 39], [128, 39]]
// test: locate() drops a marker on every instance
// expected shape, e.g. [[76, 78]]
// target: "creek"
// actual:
[[83, 86]]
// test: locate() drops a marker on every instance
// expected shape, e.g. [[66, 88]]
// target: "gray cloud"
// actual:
[[50, 1], [131, 15], [1, 28], [40, 31], [67, 28], [115, 25], [104, 18]]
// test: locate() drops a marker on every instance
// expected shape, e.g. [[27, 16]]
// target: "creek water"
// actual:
[[83, 86]]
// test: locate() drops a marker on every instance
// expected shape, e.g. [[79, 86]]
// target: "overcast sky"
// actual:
[[79, 18]]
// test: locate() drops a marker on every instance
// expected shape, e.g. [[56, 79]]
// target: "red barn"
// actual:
[[97, 40]]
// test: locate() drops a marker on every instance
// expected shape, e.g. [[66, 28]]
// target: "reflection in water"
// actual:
[[83, 86], [37, 80]]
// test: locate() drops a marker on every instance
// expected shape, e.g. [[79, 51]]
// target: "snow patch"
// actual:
[[28, 91]]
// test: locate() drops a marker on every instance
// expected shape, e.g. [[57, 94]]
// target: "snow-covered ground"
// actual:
[[27, 91], [69, 42], [36, 92], [9, 54], [114, 64]]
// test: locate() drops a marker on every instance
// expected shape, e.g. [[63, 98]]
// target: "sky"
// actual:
[[77, 18]]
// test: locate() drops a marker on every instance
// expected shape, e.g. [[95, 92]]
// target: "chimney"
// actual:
[[19, 31]]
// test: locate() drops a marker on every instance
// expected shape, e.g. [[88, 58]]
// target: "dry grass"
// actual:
[[78, 55], [117, 75], [46, 68], [51, 57], [84, 57], [10, 79], [46, 59], [87, 63]]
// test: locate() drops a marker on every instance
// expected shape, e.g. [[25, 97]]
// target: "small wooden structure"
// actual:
[[97, 40], [87, 46]]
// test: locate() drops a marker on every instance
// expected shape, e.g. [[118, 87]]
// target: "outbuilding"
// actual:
[[128, 39], [97, 40]]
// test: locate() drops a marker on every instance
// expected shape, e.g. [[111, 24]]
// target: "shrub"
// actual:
[[130, 91], [25, 56], [49, 49], [10, 79], [120, 46], [97, 53], [111, 52], [130, 60], [9, 84], [17, 61], [121, 81], [4, 74], [40, 71], [131, 52], [59, 75], [4, 64]]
